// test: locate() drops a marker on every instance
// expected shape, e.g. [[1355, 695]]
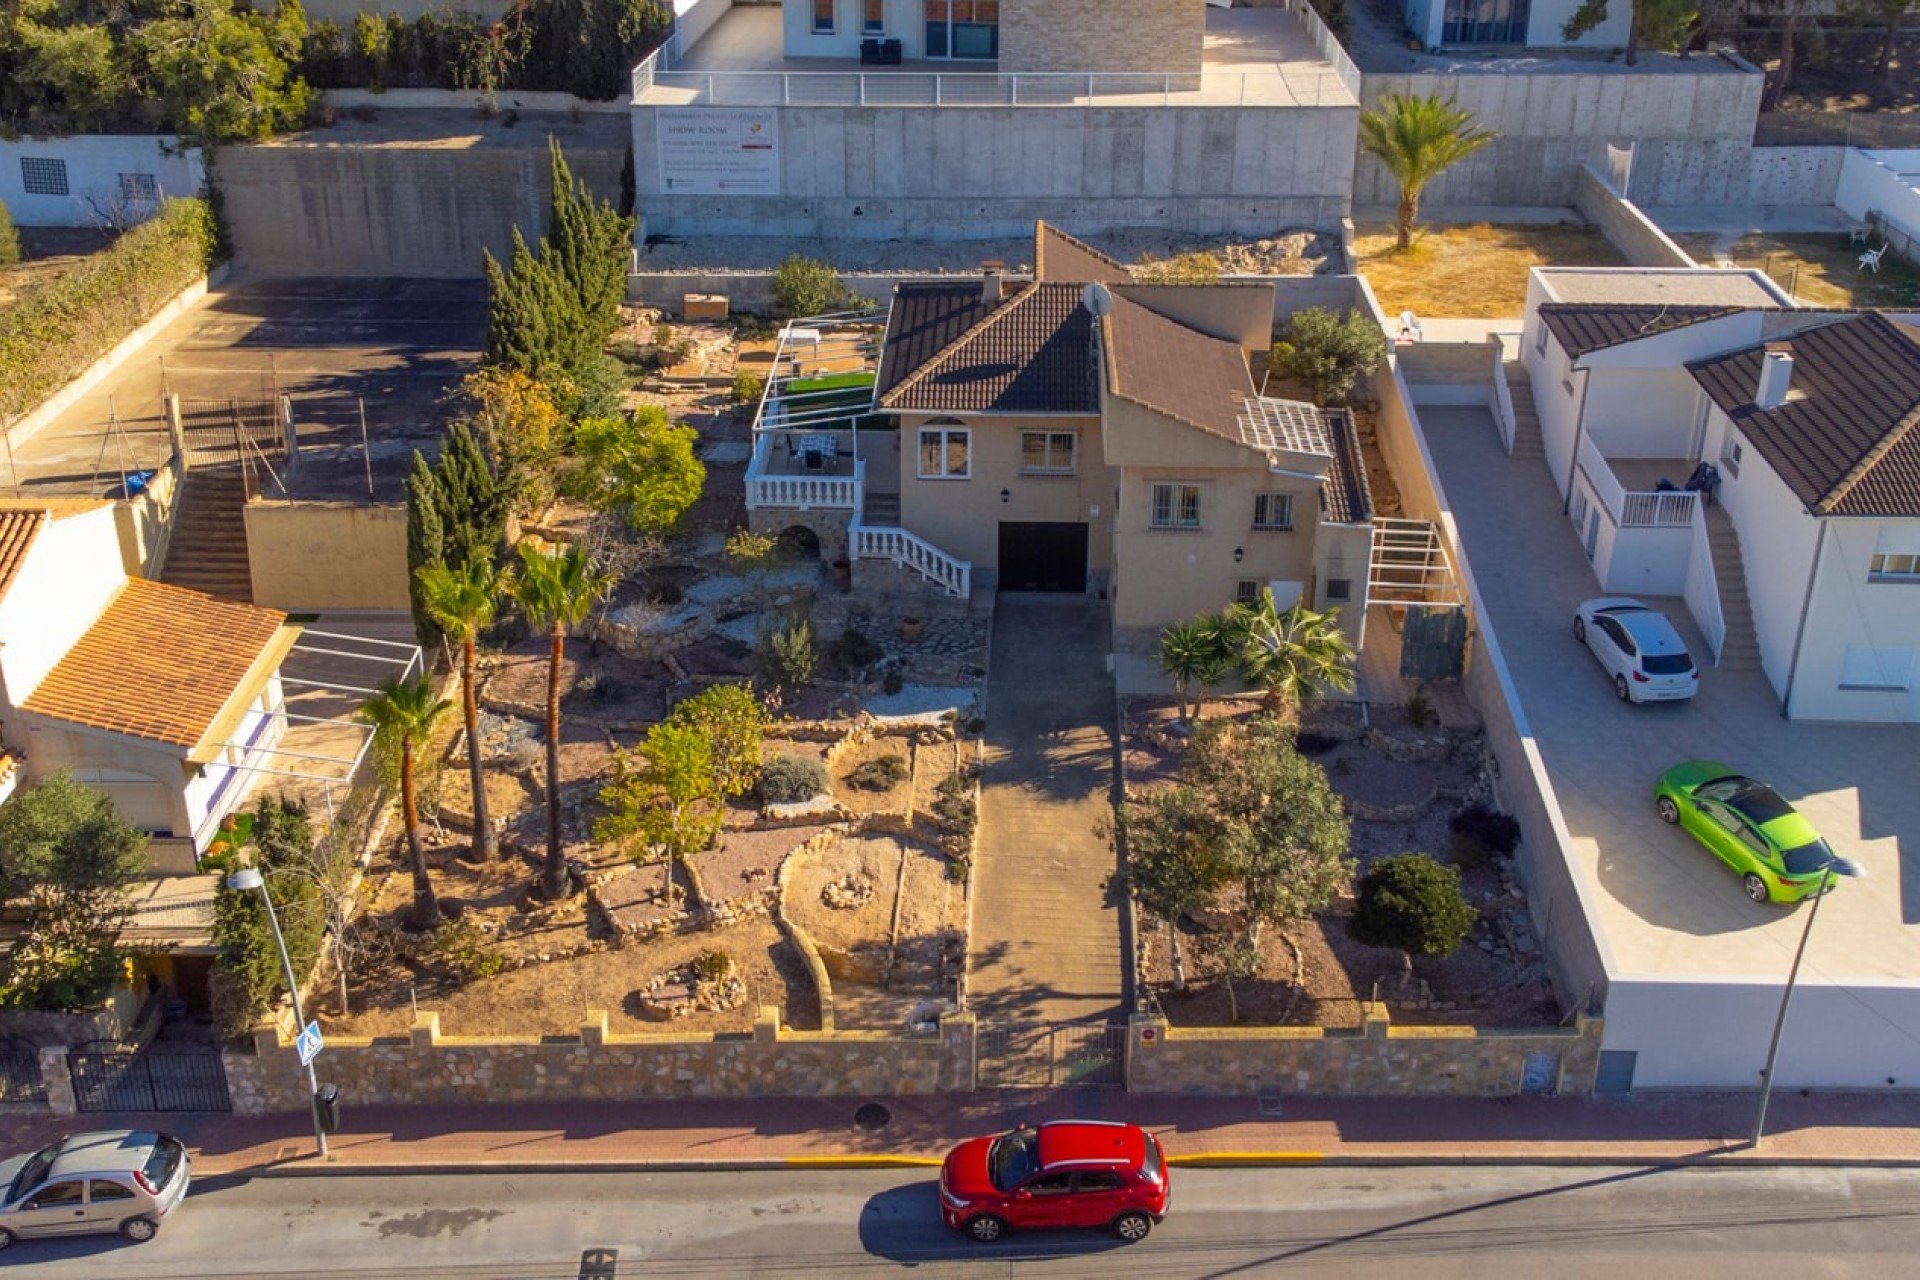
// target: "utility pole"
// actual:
[[1786, 998]]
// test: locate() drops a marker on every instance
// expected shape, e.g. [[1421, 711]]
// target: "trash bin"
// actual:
[[326, 1101]]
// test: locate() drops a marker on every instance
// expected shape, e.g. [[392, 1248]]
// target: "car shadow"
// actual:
[[903, 1225]]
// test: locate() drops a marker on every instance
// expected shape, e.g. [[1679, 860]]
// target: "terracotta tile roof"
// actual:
[[1030, 354], [58, 508], [1586, 327], [1847, 440], [18, 529], [1345, 496], [924, 320], [1178, 372], [1057, 256], [161, 664]]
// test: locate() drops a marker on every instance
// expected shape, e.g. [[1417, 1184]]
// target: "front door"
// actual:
[[964, 30], [1038, 555]]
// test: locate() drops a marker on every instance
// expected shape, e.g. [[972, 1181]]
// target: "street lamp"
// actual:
[[1834, 865], [250, 878]]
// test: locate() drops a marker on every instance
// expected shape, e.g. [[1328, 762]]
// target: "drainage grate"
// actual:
[[871, 1116], [1269, 1105], [599, 1264]]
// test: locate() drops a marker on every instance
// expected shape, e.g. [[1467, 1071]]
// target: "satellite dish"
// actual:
[[1097, 299]]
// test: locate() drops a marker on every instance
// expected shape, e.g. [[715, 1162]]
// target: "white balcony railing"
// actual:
[[766, 487], [1636, 509], [1303, 87], [916, 553]]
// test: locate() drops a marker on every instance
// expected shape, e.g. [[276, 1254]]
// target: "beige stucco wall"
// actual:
[[1237, 313], [146, 782], [963, 517], [70, 575], [1102, 35], [327, 555]]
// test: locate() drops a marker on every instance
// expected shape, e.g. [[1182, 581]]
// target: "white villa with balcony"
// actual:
[[1711, 441], [1074, 433]]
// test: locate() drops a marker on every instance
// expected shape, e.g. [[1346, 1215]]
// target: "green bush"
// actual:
[[51, 335], [747, 386], [246, 976], [1328, 353], [1413, 904], [1492, 830], [882, 773], [9, 238], [791, 779], [1419, 709], [857, 649], [462, 948], [711, 966], [809, 287], [786, 655]]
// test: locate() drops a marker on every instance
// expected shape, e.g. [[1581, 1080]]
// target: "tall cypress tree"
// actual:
[[426, 543], [590, 245], [473, 500], [517, 327]]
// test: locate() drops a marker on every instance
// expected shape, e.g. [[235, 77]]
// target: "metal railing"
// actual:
[[1635, 509], [1702, 592], [913, 552], [1264, 88]]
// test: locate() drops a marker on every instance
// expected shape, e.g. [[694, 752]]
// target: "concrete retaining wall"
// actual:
[[1551, 122], [1686, 172], [1573, 955], [308, 556], [1630, 231], [970, 173], [431, 1068], [1377, 1060]]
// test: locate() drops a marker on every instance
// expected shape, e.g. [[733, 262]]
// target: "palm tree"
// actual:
[[1186, 649], [403, 714], [1417, 139], [556, 589], [462, 603], [1293, 652]]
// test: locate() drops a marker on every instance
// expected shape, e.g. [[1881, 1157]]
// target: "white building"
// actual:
[[1803, 558], [1457, 24], [90, 180]]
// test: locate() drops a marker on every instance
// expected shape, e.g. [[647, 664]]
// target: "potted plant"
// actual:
[[842, 573], [910, 628]]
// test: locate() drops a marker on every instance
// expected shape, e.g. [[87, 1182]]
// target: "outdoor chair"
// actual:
[[1704, 481], [1859, 233], [1870, 260], [1409, 328], [870, 54]]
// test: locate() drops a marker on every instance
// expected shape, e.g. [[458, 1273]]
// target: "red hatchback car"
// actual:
[[1066, 1173]]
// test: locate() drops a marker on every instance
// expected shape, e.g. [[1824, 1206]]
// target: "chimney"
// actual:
[[1776, 373], [990, 270]]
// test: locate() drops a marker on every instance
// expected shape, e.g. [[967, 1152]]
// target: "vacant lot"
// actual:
[[1475, 269], [1818, 270]]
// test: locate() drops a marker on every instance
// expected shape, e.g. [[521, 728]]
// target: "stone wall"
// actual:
[[1377, 1060], [1630, 231], [111, 1021], [431, 1068], [1102, 35], [1550, 122]]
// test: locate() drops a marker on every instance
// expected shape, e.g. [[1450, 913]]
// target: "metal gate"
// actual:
[[1433, 644], [1051, 1055], [20, 1079], [149, 1080]]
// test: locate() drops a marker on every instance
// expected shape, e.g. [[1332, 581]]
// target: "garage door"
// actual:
[[1043, 556]]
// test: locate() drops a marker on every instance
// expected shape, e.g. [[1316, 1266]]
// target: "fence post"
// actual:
[[57, 1076], [786, 89]]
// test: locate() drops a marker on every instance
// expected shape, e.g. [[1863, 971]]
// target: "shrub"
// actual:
[[792, 779], [786, 655], [747, 386], [1193, 267], [53, 333], [1492, 830], [892, 683], [953, 804], [882, 773], [9, 238], [461, 947], [1334, 14], [1413, 904], [1328, 353], [1419, 709], [600, 688], [809, 287], [711, 966], [857, 649]]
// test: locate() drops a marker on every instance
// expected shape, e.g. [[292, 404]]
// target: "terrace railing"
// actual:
[[1635, 509], [768, 488], [1270, 87]]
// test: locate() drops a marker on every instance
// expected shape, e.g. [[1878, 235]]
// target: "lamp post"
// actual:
[[250, 878], [1845, 867]]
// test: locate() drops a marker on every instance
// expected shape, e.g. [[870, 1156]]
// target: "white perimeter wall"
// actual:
[[1714, 1033], [94, 165], [1872, 180]]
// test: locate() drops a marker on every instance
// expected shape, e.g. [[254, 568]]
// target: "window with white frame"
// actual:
[[140, 188], [823, 17], [1246, 591], [43, 176], [1046, 453], [1730, 456], [1175, 506], [1866, 667], [944, 453], [1273, 511], [1893, 567]]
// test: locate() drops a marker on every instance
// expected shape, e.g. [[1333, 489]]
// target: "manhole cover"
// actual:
[[871, 1115]]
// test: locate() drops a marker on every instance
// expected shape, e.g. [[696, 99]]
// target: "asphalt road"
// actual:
[[1416, 1222]]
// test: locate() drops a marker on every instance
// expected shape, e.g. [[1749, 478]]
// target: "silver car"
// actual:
[[119, 1180], [1639, 648]]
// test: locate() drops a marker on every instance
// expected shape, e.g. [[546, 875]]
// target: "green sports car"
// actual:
[[1779, 856]]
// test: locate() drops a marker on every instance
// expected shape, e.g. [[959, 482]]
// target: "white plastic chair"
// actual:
[[1870, 260], [1409, 328]]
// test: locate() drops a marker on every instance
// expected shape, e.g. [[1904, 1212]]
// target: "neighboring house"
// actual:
[[1020, 35], [1075, 433], [1807, 563], [101, 180], [1456, 24], [162, 698]]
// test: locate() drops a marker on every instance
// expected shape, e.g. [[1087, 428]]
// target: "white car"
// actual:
[[1639, 648]]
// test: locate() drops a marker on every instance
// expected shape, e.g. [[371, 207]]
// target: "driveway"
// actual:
[[328, 344], [1664, 905], [1046, 928]]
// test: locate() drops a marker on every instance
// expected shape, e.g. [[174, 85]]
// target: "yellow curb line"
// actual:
[[862, 1162], [1228, 1159]]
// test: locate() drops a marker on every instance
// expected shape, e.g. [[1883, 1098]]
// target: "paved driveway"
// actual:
[[328, 344], [1046, 929], [1665, 905]]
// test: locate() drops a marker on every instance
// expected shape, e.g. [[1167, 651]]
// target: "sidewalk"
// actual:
[[800, 1132]]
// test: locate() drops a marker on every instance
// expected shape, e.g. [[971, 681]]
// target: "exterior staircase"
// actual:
[[1741, 649], [1527, 443], [880, 510], [207, 550]]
